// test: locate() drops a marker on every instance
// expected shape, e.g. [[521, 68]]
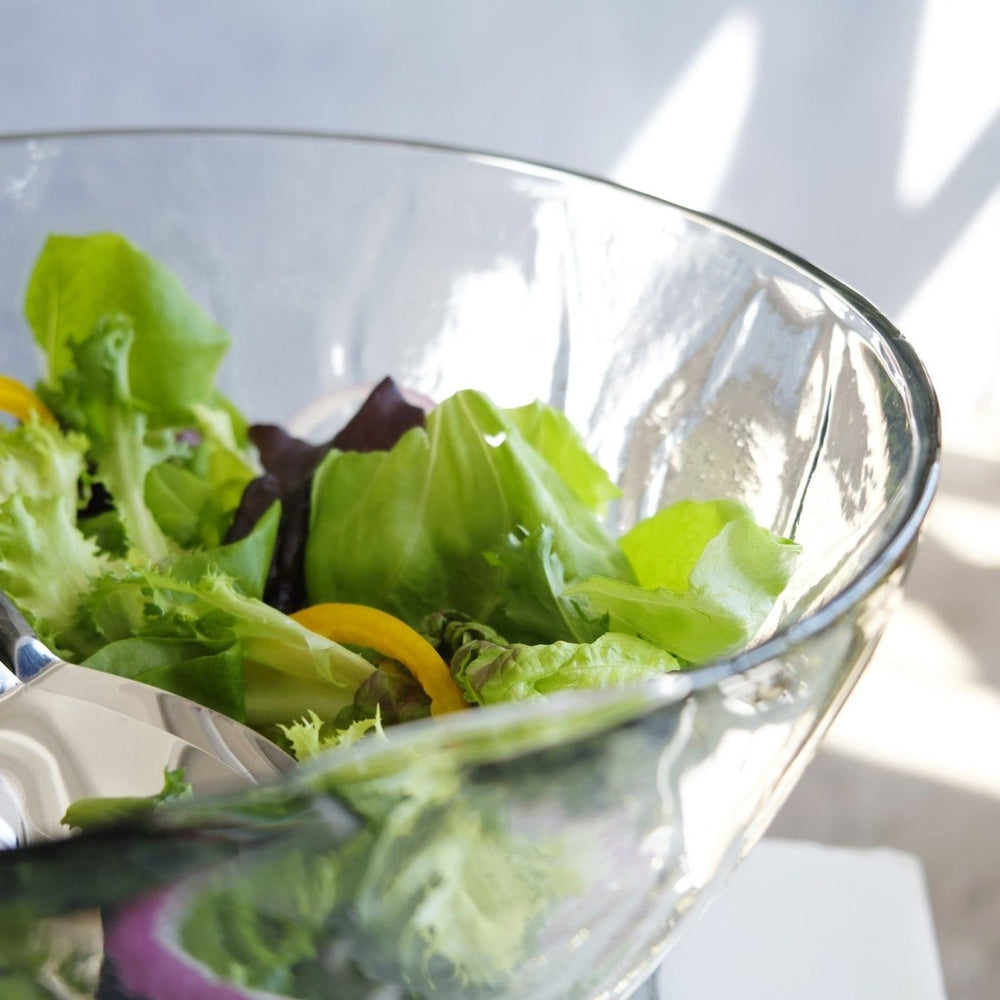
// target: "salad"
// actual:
[[417, 564]]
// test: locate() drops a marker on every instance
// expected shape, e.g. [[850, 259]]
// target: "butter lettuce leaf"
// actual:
[[533, 582], [551, 434], [665, 548], [411, 530], [708, 574], [78, 281]]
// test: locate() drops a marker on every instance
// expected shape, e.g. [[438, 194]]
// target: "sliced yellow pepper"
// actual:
[[19, 401], [361, 625]]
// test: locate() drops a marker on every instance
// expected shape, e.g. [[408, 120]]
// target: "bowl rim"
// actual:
[[925, 407]]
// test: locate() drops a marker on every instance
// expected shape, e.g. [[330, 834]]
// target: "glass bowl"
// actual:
[[551, 849]]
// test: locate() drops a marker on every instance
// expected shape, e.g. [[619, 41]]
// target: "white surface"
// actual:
[[801, 921]]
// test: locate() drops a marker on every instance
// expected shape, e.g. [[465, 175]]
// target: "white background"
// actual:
[[864, 136]]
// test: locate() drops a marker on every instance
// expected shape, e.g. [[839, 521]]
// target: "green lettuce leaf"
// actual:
[[449, 898], [79, 281], [193, 501], [709, 577], [193, 497], [533, 581], [489, 672], [246, 562], [551, 434], [182, 502], [262, 931], [409, 530], [285, 667], [95, 397], [45, 561], [131, 364], [178, 500], [310, 735], [90, 814], [208, 672], [221, 457]]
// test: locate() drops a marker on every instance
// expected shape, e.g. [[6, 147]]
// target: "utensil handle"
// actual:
[[20, 649]]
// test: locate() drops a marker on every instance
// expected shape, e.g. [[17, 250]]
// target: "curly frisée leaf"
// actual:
[[37, 459], [307, 738], [283, 664], [45, 561], [95, 396]]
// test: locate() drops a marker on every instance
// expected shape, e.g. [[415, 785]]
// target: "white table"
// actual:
[[801, 921]]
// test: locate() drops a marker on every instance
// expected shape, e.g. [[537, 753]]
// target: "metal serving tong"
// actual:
[[69, 732]]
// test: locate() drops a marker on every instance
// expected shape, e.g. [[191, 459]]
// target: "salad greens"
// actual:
[[289, 465], [426, 525], [147, 530], [143, 532], [708, 601]]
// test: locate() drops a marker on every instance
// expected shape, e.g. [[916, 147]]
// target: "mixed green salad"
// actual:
[[415, 563], [418, 563]]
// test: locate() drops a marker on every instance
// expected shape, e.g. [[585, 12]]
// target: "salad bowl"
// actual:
[[550, 849]]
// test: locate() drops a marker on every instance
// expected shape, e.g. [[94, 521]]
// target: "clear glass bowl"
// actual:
[[544, 850]]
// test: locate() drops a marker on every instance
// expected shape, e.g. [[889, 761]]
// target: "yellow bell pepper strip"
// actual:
[[20, 402], [361, 625]]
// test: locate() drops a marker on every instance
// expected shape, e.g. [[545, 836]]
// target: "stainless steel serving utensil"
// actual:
[[68, 732]]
